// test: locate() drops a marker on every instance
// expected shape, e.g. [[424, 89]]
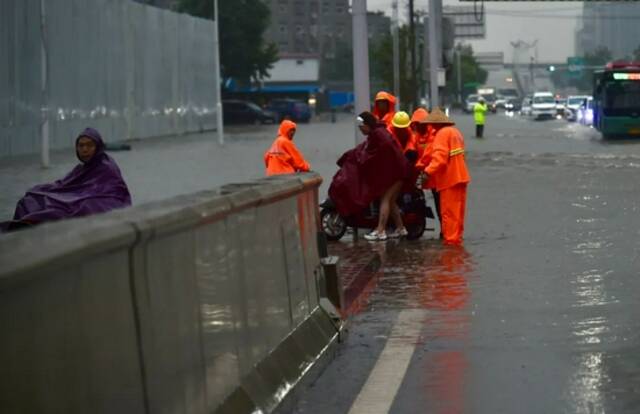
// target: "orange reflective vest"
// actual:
[[283, 157], [447, 166]]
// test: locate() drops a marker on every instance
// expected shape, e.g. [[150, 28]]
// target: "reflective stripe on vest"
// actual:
[[456, 151]]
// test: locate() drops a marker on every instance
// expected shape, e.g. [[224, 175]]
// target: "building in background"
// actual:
[[613, 25], [310, 27], [163, 4], [378, 25]]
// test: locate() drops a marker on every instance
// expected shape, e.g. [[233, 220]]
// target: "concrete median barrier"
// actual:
[[204, 303]]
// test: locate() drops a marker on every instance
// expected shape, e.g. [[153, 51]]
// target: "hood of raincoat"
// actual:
[[384, 96], [285, 127]]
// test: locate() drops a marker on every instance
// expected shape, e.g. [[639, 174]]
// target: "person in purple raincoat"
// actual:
[[94, 186]]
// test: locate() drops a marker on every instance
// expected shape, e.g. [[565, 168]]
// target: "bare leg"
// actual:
[[387, 205]]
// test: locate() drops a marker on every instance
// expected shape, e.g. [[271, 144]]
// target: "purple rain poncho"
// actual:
[[93, 187]]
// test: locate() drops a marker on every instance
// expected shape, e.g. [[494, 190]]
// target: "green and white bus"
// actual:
[[616, 100]]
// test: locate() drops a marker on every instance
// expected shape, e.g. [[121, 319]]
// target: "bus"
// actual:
[[616, 100]]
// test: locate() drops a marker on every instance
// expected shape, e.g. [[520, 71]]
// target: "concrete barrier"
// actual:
[[203, 303]]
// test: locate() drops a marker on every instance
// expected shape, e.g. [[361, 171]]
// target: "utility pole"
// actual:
[[435, 19], [360, 60], [459, 74], [396, 53], [218, 94], [44, 88], [412, 47]]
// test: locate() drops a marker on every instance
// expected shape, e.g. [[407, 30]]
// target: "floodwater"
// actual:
[[537, 313]]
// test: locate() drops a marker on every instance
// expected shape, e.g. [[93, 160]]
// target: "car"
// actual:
[[512, 105], [543, 105], [560, 105], [501, 102], [525, 107], [571, 108], [245, 112], [470, 102], [585, 112], [292, 109]]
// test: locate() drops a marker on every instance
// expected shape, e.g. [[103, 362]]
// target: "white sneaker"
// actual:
[[375, 236], [399, 233]]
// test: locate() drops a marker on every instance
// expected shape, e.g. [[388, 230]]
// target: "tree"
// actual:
[[471, 72], [597, 58], [381, 63], [244, 55], [340, 66]]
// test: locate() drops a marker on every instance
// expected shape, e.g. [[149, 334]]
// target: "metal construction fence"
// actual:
[[129, 70]]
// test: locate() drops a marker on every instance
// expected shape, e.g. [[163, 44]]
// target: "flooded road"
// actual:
[[537, 313]]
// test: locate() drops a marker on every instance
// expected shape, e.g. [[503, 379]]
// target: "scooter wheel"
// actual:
[[333, 224], [416, 230]]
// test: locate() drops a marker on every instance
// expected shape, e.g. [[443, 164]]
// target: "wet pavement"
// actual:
[[537, 313]]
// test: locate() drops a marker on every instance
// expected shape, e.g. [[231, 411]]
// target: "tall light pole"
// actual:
[[360, 59], [216, 68], [396, 53], [44, 88], [435, 19]]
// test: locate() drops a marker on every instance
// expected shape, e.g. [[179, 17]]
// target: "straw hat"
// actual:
[[438, 117]]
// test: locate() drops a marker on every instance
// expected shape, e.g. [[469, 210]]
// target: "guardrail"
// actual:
[[205, 302]]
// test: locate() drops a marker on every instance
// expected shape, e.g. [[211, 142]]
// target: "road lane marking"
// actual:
[[378, 393]]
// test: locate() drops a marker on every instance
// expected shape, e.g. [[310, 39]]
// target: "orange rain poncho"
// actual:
[[386, 118], [421, 140], [449, 170], [284, 157]]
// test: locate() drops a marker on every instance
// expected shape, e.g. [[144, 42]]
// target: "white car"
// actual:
[[543, 105], [470, 102], [573, 105]]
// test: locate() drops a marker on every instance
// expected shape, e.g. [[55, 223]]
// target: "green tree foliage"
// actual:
[[471, 72], [596, 59], [381, 63], [244, 55]]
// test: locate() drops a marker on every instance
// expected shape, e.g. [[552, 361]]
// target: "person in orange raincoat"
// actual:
[[449, 170], [384, 107], [283, 157], [424, 136], [422, 133]]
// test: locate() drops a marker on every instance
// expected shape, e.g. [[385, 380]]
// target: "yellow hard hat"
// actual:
[[401, 120]]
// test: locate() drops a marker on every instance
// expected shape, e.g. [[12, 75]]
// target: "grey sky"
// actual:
[[554, 26]]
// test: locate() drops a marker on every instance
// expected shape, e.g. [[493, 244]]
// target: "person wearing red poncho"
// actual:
[[373, 170]]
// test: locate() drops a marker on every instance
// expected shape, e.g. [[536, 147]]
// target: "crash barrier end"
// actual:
[[209, 302]]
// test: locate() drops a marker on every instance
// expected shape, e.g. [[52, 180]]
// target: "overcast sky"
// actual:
[[554, 25]]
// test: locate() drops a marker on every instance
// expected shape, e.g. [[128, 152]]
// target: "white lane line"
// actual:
[[378, 393]]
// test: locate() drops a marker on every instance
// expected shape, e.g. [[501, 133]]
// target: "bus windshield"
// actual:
[[621, 98]]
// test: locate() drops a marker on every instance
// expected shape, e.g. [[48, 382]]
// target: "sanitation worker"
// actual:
[[384, 107], [449, 170], [283, 157], [479, 113], [421, 131]]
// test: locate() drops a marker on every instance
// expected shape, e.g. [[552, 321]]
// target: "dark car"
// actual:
[[245, 112], [513, 105], [292, 109]]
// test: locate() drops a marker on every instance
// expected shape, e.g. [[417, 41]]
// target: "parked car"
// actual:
[[245, 112], [292, 109], [573, 105]]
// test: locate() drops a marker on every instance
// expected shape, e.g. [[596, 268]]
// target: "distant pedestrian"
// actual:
[[479, 114], [384, 107], [449, 170], [283, 157], [94, 186]]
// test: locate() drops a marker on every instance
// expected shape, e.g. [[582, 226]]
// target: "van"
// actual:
[[543, 105]]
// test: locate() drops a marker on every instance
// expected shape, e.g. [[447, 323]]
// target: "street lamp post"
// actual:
[[218, 94], [360, 60]]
